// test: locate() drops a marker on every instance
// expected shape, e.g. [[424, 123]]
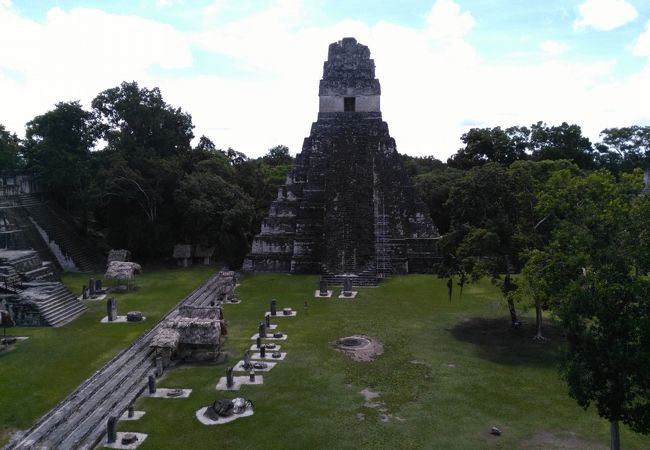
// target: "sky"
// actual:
[[248, 71]]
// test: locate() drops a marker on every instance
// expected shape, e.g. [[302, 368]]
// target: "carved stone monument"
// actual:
[[111, 429], [322, 288], [111, 309], [262, 330], [229, 379], [274, 307], [348, 205]]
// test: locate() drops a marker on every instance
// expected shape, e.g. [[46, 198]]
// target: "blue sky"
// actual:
[[248, 71]]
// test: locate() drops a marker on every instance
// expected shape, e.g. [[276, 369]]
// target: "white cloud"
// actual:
[[604, 15], [435, 85], [642, 45], [75, 55], [553, 48], [445, 21]]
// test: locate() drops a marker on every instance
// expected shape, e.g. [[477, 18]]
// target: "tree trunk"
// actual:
[[513, 314], [538, 320], [615, 443]]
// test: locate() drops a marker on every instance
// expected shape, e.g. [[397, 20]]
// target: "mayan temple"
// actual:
[[348, 206]]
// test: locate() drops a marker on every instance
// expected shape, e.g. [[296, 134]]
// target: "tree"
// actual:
[[624, 149], [481, 240], [148, 152], [58, 148], [217, 213], [278, 156], [10, 150], [484, 145], [595, 269], [561, 142]]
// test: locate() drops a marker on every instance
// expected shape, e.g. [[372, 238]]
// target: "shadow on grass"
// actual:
[[499, 343]]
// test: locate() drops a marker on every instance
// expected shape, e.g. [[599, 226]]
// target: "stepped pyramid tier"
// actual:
[[348, 207], [31, 295]]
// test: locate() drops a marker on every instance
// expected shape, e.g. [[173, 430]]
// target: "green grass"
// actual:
[[449, 372], [41, 371]]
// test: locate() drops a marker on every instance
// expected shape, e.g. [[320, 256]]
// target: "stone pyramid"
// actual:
[[348, 207]]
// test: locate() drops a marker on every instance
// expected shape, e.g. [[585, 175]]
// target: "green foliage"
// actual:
[[484, 145], [561, 142], [278, 156], [606, 314], [58, 149], [10, 150], [624, 149], [217, 213]]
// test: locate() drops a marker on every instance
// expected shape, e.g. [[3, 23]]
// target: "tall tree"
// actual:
[[148, 145], [596, 267], [10, 150], [561, 142], [58, 148], [484, 145]]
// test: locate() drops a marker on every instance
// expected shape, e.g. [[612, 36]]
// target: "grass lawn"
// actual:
[[41, 371], [450, 371]]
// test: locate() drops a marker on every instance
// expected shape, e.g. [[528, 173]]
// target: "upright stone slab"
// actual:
[[323, 288], [111, 309], [348, 205]]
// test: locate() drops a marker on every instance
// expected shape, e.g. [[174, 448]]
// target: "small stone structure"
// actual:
[[348, 205], [203, 254], [119, 255], [194, 334], [122, 271], [183, 254]]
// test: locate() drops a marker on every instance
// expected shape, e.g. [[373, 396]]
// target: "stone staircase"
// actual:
[[61, 306], [61, 232], [365, 278], [56, 304]]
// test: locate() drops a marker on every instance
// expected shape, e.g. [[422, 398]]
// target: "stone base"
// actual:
[[317, 294], [120, 319], [277, 348], [238, 382], [120, 435], [137, 415], [162, 393], [98, 297], [268, 356], [354, 294], [239, 367], [273, 326], [269, 336], [222, 420], [279, 314]]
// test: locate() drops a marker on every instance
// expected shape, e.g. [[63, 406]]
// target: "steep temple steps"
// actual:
[[61, 232]]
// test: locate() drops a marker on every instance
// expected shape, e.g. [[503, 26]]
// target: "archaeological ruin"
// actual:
[[348, 207]]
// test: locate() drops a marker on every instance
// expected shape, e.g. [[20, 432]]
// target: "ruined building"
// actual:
[[348, 206]]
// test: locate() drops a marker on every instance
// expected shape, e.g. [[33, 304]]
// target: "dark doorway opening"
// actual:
[[349, 104]]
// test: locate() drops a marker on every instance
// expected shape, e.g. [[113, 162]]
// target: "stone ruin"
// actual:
[[194, 334], [348, 205], [31, 292]]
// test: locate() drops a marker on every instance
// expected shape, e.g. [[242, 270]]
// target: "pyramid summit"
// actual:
[[348, 205]]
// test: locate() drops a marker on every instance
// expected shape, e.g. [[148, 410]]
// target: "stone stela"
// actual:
[[348, 206]]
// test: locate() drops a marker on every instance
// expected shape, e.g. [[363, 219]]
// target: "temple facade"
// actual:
[[348, 206]]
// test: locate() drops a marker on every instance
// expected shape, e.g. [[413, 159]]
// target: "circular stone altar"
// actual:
[[359, 347]]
